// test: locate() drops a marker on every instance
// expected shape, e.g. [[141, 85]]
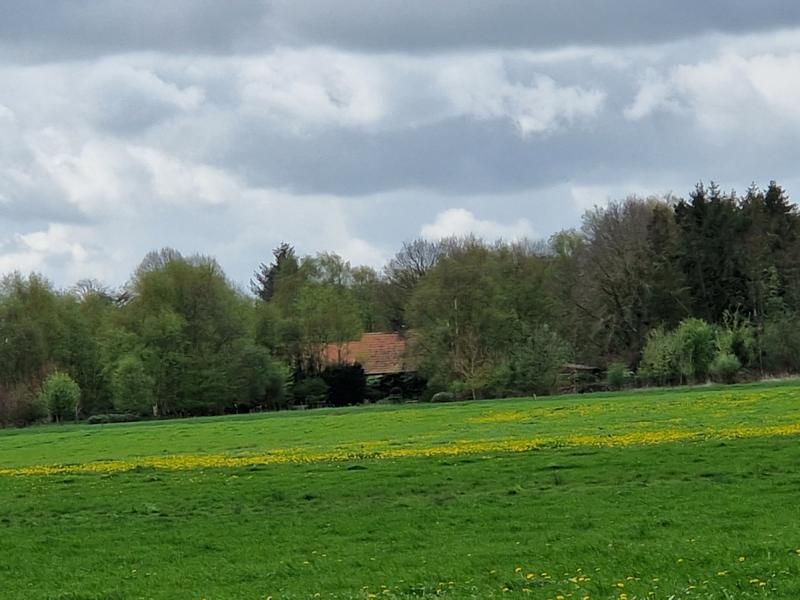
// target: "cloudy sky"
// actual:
[[228, 127]]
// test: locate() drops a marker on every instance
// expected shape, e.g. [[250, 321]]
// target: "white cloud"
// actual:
[[60, 244], [586, 197], [6, 114], [726, 95], [461, 222], [312, 88], [655, 93], [182, 182], [482, 89], [316, 87]]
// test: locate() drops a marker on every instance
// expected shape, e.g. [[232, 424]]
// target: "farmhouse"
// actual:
[[381, 354]]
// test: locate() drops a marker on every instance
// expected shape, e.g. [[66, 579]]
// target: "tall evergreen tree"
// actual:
[[265, 279]]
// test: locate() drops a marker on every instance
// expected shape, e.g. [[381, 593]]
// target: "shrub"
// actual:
[[534, 364], [312, 390], [685, 354], [696, 343], [659, 358], [391, 399], [347, 384], [378, 388], [132, 387], [61, 395], [617, 373], [276, 392], [725, 367], [781, 345], [113, 418], [736, 336], [443, 397], [20, 405]]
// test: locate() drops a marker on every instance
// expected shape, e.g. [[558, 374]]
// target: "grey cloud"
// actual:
[[461, 157], [425, 25], [129, 102], [455, 157], [32, 30], [211, 141]]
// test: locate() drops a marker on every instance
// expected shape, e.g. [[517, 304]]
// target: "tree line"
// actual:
[[653, 291]]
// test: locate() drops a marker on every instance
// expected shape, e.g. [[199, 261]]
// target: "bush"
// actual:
[[276, 392], [736, 336], [781, 345], [617, 373], [21, 405], [384, 401], [132, 387], [696, 348], [347, 384], [310, 391], [443, 397], [61, 395], [659, 358], [683, 355], [534, 364], [113, 418], [725, 367]]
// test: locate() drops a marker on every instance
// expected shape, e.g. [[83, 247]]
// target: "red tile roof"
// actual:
[[378, 353]]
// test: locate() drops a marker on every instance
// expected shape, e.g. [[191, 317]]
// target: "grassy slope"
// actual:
[[682, 514], [412, 426]]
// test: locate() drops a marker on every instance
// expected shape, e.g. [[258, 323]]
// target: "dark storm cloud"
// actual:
[[426, 25], [58, 29], [62, 29]]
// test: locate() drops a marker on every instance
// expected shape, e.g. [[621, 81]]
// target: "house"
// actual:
[[380, 354]]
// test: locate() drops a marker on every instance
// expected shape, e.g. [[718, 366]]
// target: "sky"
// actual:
[[226, 128]]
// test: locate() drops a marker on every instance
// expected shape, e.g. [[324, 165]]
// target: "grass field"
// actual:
[[670, 494]]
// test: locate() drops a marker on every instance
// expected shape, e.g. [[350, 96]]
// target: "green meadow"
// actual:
[[656, 494]]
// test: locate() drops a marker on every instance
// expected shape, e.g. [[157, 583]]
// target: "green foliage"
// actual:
[[113, 418], [624, 277], [195, 335], [736, 336], [780, 344], [469, 309], [267, 278], [535, 363], [326, 314], [673, 287], [402, 385], [347, 384], [617, 375], [311, 391], [684, 354], [29, 325], [660, 356], [696, 347], [61, 395], [21, 405], [132, 387], [725, 367]]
